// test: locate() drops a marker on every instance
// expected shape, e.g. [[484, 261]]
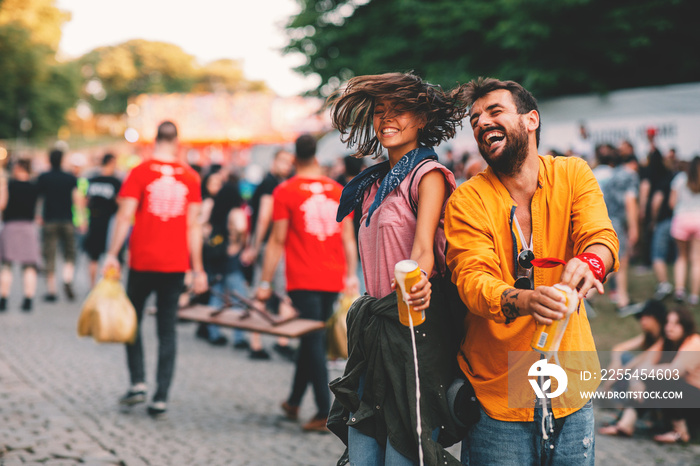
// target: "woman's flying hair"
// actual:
[[352, 109]]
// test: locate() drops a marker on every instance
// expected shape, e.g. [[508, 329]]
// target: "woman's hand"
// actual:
[[419, 295]]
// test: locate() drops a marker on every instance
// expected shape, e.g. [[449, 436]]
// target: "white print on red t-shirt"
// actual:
[[166, 196], [319, 213]]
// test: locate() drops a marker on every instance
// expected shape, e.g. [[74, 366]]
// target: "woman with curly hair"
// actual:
[[402, 203]]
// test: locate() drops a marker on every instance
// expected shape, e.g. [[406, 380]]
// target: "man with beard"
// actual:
[[523, 206]]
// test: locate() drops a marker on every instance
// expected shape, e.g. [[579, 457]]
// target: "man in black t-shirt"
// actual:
[[102, 203], [261, 219], [58, 191]]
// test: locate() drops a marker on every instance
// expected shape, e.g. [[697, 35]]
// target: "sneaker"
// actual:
[[157, 409], [679, 296], [663, 290], [3, 304], [50, 298], [243, 344], [290, 412], [316, 425], [693, 300], [260, 354], [285, 351], [135, 395], [202, 331], [68, 289], [219, 341], [631, 309], [27, 304]]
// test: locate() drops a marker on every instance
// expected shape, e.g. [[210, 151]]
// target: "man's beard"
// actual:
[[512, 156]]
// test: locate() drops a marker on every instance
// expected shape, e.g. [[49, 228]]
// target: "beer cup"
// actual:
[[407, 274]]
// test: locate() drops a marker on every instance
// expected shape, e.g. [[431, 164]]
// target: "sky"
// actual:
[[251, 31]]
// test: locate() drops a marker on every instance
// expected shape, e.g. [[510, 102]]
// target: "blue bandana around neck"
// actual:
[[355, 189]]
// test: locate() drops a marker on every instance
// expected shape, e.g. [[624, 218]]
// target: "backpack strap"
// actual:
[[412, 202]]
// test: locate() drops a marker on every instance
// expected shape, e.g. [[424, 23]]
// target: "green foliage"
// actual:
[[139, 66], [552, 48], [32, 86]]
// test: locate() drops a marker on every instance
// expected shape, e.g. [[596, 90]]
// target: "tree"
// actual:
[[226, 75], [35, 91], [41, 17], [552, 48], [116, 73]]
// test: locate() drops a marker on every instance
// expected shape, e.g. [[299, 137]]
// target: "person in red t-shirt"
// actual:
[[321, 258], [163, 197]]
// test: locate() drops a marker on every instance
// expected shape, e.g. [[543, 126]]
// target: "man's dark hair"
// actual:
[[107, 159], [305, 146], [55, 158], [167, 132], [24, 164], [525, 102]]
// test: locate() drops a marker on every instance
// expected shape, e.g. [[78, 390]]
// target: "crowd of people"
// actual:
[[486, 232]]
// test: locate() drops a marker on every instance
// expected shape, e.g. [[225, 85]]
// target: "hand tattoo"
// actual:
[[508, 306]]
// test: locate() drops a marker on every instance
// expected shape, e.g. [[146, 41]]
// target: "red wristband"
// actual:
[[595, 263]]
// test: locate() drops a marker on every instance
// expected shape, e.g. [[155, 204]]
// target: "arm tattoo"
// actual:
[[508, 306]]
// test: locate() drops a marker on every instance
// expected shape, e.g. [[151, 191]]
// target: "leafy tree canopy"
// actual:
[[138, 66], [551, 47], [41, 17], [35, 91]]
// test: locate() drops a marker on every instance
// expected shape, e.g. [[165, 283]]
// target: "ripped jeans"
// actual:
[[491, 441]]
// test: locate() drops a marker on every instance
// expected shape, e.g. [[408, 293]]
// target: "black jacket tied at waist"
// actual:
[[380, 348]]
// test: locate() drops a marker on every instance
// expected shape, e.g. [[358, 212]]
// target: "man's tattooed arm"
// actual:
[[509, 304]]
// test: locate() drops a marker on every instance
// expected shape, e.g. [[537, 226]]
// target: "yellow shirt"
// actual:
[[568, 215]]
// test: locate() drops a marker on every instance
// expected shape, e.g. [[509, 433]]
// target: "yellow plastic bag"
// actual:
[[107, 314], [337, 328]]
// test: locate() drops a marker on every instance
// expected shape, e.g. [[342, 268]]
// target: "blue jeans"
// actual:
[[167, 287], [364, 450], [232, 280], [662, 245], [519, 443], [311, 356]]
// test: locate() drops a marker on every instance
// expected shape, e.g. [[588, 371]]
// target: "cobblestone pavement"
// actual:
[[58, 404]]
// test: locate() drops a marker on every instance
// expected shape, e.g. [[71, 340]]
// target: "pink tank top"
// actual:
[[389, 236]]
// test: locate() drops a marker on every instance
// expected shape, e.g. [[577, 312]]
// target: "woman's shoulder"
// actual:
[[692, 343], [431, 165]]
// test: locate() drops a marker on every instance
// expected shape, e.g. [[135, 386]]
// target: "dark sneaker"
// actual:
[[3, 304], [219, 341], [68, 289], [27, 304], [260, 354], [134, 396], [202, 331], [285, 351], [243, 344], [157, 409], [50, 298]]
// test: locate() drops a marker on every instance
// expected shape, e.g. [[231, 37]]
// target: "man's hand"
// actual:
[[352, 285], [111, 262], [577, 274], [545, 304], [249, 255], [200, 284], [263, 292]]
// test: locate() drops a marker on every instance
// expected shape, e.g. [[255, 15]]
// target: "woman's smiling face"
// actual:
[[397, 131]]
